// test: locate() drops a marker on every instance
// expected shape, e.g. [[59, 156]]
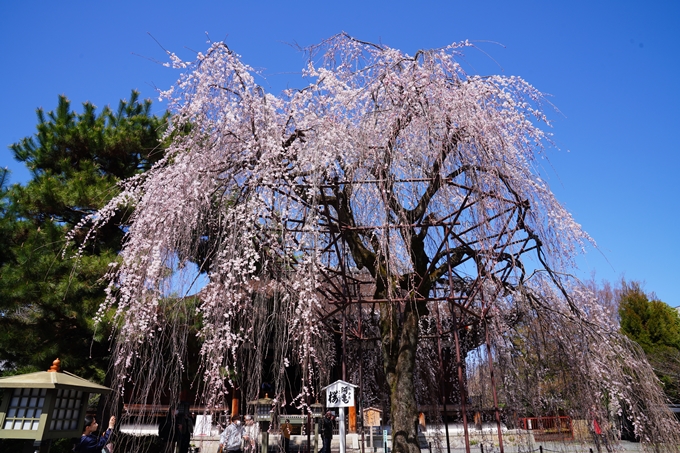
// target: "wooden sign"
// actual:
[[340, 394]]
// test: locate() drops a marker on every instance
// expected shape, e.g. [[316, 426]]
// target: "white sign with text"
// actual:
[[340, 394]]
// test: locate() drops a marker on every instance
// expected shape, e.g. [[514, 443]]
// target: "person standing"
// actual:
[[286, 429], [169, 431], [327, 431], [186, 428], [89, 442], [230, 439], [251, 435]]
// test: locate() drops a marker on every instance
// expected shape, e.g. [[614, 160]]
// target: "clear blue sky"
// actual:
[[611, 67]]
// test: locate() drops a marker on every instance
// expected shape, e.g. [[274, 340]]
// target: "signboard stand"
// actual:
[[341, 430], [340, 394]]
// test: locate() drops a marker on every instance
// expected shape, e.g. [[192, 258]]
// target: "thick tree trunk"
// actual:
[[400, 339]]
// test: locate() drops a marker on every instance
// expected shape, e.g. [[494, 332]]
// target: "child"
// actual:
[[89, 442]]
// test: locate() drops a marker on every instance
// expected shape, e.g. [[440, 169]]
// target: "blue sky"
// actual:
[[612, 69]]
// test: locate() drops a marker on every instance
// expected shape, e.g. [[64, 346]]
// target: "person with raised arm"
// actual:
[[89, 442]]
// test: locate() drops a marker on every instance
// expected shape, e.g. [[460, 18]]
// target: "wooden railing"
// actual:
[[161, 410]]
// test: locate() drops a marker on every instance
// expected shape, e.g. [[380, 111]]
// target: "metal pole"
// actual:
[[361, 380], [441, 377], [461, 382], [493, 386], [344, 345], [459, 361]]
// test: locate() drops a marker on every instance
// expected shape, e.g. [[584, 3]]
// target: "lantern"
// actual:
[[263, 408], [45, 405], [317, 410]]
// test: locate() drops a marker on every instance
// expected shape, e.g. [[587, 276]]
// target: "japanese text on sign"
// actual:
[[340, 394]]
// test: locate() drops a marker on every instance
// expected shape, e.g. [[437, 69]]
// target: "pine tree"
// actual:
[[47, 300]]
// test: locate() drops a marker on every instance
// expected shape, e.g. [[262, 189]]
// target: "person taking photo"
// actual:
[[89, 442]]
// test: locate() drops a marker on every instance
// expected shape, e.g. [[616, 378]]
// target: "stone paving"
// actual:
[[298, 445]]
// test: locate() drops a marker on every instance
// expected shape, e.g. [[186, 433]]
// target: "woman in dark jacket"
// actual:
[[327, 431], [89, 442]]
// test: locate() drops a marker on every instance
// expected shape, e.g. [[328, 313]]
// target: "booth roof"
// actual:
[[50, 380]]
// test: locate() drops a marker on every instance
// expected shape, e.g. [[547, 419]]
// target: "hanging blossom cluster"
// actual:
[[381, 149], [564, 355]]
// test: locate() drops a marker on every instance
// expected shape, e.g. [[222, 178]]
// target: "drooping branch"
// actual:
[[434, 175]]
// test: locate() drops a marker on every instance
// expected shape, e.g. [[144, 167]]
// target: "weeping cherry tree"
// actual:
[[394, 181]]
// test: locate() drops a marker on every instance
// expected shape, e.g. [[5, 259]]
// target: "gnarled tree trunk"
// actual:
[[400, 340]]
